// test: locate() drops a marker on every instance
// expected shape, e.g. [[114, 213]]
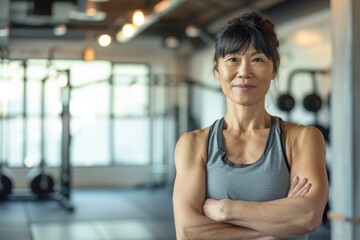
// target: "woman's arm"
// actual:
[[189, 196], [291, 216]]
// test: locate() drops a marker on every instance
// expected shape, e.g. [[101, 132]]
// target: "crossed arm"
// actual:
[[189, 197], [286, 217], [299, 213]]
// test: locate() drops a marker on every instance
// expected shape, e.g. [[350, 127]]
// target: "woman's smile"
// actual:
[[243, 86]]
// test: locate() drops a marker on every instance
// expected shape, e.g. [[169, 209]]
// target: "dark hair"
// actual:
[[252, 28]]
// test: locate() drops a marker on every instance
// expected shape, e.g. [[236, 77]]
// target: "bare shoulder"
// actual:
[[297, 133], [194, 136], [301, 140], [192, 145]]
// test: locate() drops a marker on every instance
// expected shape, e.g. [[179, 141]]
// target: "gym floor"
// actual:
[[103, 214]]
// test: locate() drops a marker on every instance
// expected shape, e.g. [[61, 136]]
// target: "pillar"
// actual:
[[345, 119]]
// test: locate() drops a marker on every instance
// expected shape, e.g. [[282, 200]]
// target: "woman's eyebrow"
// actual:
[[256, 52]]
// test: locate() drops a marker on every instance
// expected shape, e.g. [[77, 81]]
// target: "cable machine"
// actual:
[[40, 180], [6, 177], [41, 183]]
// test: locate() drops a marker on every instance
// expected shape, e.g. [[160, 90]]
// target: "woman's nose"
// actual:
[[244, 70]]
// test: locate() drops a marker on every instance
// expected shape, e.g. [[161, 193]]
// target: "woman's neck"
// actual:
[[247, 119]]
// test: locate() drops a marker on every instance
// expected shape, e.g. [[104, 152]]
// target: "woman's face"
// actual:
[[245, 76]]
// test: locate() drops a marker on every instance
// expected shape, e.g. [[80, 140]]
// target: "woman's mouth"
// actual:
[[244, 86]]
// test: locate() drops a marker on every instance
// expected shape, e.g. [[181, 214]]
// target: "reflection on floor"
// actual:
[[98, 215], [104, 214]]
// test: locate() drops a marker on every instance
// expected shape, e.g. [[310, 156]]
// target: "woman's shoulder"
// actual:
[[192, 146], [194, 137], [300, 139], [299, 133]]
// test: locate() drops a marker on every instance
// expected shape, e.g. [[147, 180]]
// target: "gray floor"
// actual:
[[98, 215], [105, 214]]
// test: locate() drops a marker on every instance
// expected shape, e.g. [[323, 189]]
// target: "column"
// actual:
[[345, 118]]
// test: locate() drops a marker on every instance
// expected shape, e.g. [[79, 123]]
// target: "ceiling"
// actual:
[[37, 18]]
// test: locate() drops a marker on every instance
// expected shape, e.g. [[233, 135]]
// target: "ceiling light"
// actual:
[[128, 30], [125, 33], [192, 31], [172, 42], [138, 17], [91, 11], [89, 53], [306, 37], [160, 10], [104, 40]]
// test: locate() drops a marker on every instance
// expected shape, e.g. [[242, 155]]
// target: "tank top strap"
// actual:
[[214, 148], [280, 137]]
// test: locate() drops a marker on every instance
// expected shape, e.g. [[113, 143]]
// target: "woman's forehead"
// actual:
[[249, 49]]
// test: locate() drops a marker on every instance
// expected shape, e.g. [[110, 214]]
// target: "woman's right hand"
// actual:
[[299, 187]]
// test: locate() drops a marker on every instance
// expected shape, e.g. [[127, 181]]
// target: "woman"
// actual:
[[249, 175]]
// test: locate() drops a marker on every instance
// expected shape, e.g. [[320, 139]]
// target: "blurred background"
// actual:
[[95, 93]]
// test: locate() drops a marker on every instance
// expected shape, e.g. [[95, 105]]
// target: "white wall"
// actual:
[[209, 105], [93, 177]]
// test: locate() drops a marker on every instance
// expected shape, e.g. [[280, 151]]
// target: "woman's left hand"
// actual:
[[215, 209]]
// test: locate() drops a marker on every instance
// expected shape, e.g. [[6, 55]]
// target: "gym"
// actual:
[[90, 114]]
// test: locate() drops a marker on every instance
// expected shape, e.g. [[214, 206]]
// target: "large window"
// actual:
[[109, 109]]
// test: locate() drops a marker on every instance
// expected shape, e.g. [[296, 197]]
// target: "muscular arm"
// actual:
[[189, 196], [287, 217]]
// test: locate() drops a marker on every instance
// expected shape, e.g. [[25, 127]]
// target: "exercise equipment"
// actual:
[[286, 102], [40, 180], [312, 102], [62, 195], [6, 183], [65, 174], [6, 177]]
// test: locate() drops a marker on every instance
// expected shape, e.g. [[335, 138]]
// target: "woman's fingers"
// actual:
[[294, 183], [299, 187], [304, 190]]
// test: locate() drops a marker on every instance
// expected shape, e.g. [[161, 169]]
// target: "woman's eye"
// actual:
[[231, 59], [257, 60]]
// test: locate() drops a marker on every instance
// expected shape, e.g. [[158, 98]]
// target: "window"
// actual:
[[109, 107]]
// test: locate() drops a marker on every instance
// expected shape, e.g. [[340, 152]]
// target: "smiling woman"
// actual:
[[250, 174], [245, 76]]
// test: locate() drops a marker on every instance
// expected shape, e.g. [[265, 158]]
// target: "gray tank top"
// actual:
[[266, 179]]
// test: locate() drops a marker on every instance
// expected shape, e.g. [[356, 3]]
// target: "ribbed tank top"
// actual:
[[266, 179]]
